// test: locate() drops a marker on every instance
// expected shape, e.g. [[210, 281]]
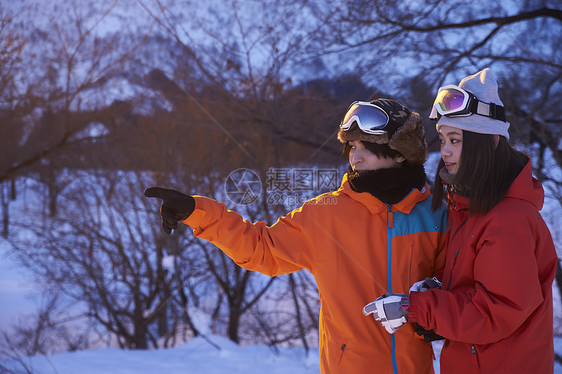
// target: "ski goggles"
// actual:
[[453, 101], [370, 118]]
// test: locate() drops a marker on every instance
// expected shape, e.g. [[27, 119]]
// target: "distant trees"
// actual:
[[57, 70]]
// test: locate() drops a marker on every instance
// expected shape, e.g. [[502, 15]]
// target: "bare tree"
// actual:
[[102, 252], [51, 329], [436, 41], [67, 64]]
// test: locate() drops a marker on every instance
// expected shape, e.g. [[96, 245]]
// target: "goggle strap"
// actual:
[[491, 110]]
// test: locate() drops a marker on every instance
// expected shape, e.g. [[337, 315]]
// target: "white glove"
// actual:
[[391, 310], [425, 285]]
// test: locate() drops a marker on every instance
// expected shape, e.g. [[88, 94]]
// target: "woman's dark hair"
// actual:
[[492, 171]]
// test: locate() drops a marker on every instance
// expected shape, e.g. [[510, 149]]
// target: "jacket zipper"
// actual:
[[341, 353], [389, 226], [475, 356]]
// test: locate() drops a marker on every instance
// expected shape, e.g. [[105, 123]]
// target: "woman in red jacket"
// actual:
[[494, 307]]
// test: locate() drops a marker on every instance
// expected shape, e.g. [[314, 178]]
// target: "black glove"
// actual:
[[428, 335], [176, 206]]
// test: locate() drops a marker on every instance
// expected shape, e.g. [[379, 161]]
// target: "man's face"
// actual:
[[361, 159]]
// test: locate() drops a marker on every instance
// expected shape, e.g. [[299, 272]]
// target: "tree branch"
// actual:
[[500, 21]]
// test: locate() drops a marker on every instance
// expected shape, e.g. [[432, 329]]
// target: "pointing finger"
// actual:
[[163, 193], [157, 192]]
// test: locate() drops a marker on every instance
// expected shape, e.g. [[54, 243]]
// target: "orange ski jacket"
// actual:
[[357, 248], [495, 305]]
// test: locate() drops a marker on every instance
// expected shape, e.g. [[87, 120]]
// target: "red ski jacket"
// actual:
[[495, 305]]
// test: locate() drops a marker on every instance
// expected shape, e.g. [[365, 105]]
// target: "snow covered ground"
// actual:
[[195, 357]]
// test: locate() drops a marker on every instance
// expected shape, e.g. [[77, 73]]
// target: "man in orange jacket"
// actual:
[[375, 234]]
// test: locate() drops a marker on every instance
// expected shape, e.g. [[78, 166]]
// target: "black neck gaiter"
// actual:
[[388, 185]]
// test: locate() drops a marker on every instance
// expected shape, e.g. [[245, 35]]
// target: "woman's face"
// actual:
[[451, 147], [361, 159]]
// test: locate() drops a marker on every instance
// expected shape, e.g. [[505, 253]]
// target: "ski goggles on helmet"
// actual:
[[370, 118], [453, 101]]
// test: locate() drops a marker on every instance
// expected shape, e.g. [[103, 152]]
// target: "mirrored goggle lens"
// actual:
[[369, 118], [449, 100]]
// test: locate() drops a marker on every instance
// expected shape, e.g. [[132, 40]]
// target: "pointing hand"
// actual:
[[176, 206]]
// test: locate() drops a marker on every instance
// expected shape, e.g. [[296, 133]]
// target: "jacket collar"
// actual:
[[526, 187], [375, 206]]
